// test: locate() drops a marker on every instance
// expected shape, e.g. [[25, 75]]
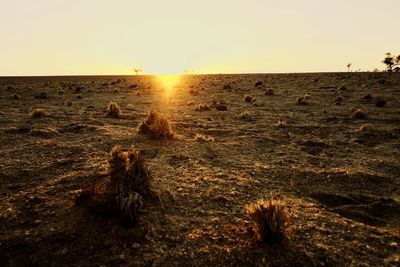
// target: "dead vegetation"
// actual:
[[269, 91], [202, 138], [123, 191], [202, 107], [156, 126], [39, 113], [270, 219], [114, 110], [359, 114]]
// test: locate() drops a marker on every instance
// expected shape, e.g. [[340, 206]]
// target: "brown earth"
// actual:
[[340, 183]]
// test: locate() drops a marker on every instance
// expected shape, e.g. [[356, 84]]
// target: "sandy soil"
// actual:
[[340, 183]]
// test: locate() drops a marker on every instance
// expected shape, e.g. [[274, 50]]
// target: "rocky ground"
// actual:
[[337, 169]]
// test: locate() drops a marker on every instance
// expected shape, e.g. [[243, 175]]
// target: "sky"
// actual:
[[84, 37]]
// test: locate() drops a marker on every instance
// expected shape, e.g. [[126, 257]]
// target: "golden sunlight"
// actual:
[[168, 82]]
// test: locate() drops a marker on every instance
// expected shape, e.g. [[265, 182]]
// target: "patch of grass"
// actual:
[[202, 138], [302, 100], [270, 219], [367, 127], [121, 194], [39, 113], [16, 96], [359, 114], [156, 126], [227, 86], [281, 124], [202, 107], [269, 91], [114, 110], [247, 98], [258, 84], [245, 115]]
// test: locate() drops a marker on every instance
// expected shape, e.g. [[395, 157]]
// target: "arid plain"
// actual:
[[333, 157]]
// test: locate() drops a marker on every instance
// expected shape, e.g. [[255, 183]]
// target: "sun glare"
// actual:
[[169, 82]]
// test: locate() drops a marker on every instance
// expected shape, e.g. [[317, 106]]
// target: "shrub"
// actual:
[[258, 84], [302, 100], [114, 110], [202, 107], [245, 115], [227, 86], [16, 97], [269, 91], [359, 114], [156, 126], [380, 103], [39, 113], [281, 123], [270, 219], [202, 138], [366, 127], [247, 98], [194, 92]]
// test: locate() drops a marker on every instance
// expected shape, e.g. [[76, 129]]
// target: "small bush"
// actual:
[[359, 114], [202, 107], [269, 91], [367, 127], [338, 99], [221, 107], [270, 219], [193, 92], [202, 138], [258, 84], [302, 100], [227, 86], [156, 126], [39, 113], [247, 98], [245, 115], [16, 97], [281, 123], [114, 110], [380, 103]]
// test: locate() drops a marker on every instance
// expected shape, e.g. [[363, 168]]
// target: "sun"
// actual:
[[169, 82]]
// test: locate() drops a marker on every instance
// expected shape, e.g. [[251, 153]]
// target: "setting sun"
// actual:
[[168, 82]]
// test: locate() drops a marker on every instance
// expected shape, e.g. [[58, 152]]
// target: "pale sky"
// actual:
[[67, 37]]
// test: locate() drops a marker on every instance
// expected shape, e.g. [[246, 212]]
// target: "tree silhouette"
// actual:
[[392, 62], [137, 71], [348, 67]]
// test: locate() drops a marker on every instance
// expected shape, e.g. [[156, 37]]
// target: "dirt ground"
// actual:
[[340, 181]]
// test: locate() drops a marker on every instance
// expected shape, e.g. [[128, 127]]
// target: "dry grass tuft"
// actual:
[[281, 124], [359, 114], [202, 107], [194, 92], [269, 91], [16, 97], [302, 100], [122, 194], [258, 84], [367, 127], [114, 110], [156, 126], [270, 219], [202, 138], [245, 115], [247, 98], [39, 113]]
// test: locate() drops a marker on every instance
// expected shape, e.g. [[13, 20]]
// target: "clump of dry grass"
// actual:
[[302, 100], [227, 86], [16, 97], [193, 92], [359, 114], [156, 126], [114, 110], [281, 123], [270, 219], [269, 91], [245, 115], [367, 127], [39, 113], [258, 84], [116, 90], [247, 98], [202, 138], [122, 193], [202, 107], [69, 103]]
